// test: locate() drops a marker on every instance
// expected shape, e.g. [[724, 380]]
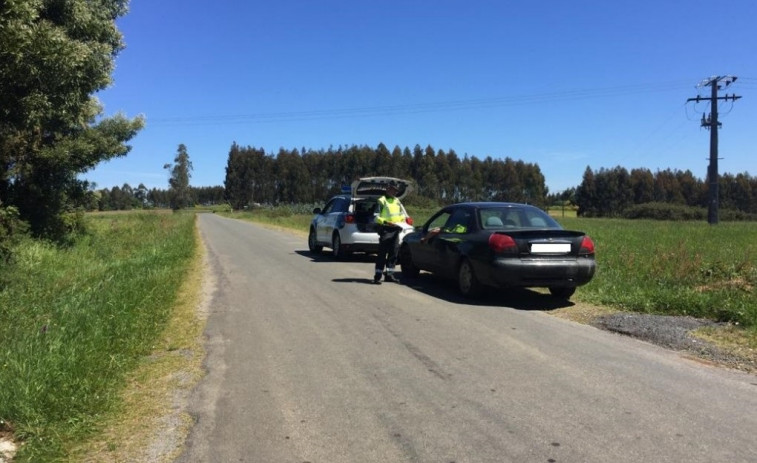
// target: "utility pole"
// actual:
[[711, 122]]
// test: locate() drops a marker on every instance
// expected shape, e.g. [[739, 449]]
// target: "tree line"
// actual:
[[617, 192], [254, 177], [310, 176], [126, 198]]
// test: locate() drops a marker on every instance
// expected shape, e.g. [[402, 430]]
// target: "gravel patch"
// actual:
[[673, 333], [668, 331]]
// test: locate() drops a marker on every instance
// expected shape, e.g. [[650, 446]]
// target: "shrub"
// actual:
[[678, 212], [665, 211], [11, 230]]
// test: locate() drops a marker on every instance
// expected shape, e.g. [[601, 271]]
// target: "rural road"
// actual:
[[308, 362]]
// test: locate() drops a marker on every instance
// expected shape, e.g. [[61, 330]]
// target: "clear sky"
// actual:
[[562, 84]]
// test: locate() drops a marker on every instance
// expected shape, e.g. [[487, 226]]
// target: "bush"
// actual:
[[665, 211], [421, 202], [11, 230], [678, 212], [730, 215]]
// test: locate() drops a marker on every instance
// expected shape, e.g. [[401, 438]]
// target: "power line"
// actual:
[[446, 106]]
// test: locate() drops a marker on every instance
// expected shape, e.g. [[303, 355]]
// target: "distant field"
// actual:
[[562, 212], [681, 268]]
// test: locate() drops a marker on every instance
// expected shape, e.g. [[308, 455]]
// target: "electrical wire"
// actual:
[[416, 108], [660, 143]]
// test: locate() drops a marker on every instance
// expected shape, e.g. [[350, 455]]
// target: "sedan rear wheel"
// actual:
[[467, 281], [406, 262], [562, 293], [313, 243]]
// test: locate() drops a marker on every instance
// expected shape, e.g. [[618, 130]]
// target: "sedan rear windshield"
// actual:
[[516, 217]]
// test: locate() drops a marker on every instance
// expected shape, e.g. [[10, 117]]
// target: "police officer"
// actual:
[[390, 215]]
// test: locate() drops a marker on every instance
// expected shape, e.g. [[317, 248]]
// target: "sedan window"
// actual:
[[498, 218], [512, 219], [493, 222], [439, 221], [516, 217], [536, 218], [459, 222]]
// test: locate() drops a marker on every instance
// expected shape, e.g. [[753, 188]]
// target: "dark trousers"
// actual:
[[389, 244]]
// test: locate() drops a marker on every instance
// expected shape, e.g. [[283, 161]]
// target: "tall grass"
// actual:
[[74, 321], [679, 268]]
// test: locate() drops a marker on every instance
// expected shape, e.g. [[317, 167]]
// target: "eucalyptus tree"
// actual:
[[586, 195], [180, 195], [238, 188], [54, 56], [642, 182]]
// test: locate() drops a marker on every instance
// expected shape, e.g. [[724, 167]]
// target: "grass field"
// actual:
[[675, 268]]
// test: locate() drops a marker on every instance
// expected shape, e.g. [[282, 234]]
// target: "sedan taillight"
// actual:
[[409, 220], [349, 218], [587, 246], [501, 243]]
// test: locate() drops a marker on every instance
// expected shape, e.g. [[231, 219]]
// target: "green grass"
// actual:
[[294, 221], [74, 322], [674, 268]]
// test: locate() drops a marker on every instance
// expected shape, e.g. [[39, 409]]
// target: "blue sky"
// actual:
[[562, 84]]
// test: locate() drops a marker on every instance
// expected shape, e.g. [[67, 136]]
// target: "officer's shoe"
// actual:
[[377, 279], [390, 278]]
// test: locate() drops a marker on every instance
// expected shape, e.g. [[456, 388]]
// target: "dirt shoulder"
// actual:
[[717, 344]]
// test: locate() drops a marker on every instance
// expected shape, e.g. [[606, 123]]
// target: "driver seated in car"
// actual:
[[453, 228]]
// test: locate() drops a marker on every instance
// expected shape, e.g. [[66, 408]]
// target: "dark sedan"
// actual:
[[499, 245]]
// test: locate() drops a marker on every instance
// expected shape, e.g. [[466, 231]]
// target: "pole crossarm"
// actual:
[[733, 97]]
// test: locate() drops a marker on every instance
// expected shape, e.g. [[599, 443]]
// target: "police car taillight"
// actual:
[[349, 218], [409, 220]]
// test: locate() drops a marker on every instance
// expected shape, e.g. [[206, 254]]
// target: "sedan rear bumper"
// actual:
[[536, 272]]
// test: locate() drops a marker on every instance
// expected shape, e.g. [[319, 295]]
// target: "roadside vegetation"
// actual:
[[75, 321], [674, 268]]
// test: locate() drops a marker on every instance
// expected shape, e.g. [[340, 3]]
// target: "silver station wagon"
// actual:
[[346, 222]]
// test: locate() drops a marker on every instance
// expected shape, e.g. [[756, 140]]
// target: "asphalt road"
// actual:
[[309, 362]]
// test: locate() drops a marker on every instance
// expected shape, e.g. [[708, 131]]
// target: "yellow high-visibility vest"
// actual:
[[390, 211]]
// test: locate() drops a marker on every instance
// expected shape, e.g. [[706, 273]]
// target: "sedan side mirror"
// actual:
[[317, 210]]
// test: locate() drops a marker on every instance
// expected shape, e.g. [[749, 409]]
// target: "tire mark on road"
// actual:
[[415, 351]]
